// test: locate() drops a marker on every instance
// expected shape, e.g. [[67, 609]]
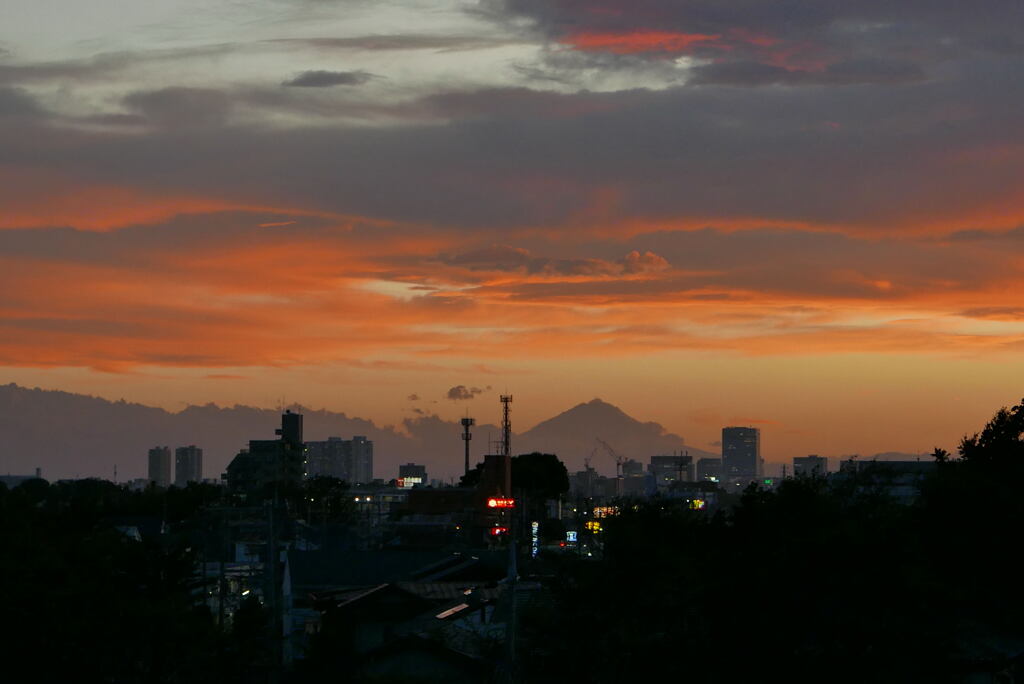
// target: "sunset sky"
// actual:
[[804, 215]]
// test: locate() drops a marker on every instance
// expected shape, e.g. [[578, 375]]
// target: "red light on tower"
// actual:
[[494, 502]]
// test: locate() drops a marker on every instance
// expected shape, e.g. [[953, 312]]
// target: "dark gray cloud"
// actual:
[[981, 234], [714, 265], [872, 70], [104, 65], [836, 42], [497, 257], [328, 79], [861, 154], [16, 103], [83, 69], [507, 258], [850, 72], [177, 107], [999, 20], [462, 393]]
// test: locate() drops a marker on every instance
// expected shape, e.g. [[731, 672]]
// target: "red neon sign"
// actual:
[[494, 502], [498, 531]]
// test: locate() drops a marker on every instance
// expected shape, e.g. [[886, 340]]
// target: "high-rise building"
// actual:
[[160, 466], [810, 466], [709, 470], [362, 459], [291, 428], [741, 455], [267, 461], [350, 460], [188, 465]]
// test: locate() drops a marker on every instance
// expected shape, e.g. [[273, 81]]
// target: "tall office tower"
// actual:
[[328, 459], [361, 459], [160, 466], [741, 455], [350, 460], [188, 465], [810, 466]]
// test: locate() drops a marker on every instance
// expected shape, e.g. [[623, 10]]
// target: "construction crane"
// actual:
[[619, 460]]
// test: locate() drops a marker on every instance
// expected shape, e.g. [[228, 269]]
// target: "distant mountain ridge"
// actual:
[[574, 435], [74, 435]]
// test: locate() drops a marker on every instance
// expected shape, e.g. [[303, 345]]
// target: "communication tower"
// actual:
[[467, 423], [506, 427]]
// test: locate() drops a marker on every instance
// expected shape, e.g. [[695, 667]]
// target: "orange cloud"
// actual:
[[222, 292], [637, 41], [32, 198]]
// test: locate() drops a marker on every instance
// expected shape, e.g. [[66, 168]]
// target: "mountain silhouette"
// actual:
[[74, 435], [573, 435]]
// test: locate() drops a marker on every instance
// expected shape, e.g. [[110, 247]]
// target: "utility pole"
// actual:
[[221, 580], [272, 592]]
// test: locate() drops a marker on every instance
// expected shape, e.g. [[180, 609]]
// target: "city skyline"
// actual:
[[801, 217], [99, 437]]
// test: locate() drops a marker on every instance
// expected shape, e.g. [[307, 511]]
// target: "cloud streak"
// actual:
[[328, 79]]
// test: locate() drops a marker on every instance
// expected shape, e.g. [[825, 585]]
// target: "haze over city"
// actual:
[[798, 216]]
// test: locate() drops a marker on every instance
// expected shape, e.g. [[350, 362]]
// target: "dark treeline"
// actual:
[[820, 580], [816, 581], [83, 602]]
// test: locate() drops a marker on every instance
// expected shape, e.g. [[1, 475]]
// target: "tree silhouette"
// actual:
[[1000, 441]]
